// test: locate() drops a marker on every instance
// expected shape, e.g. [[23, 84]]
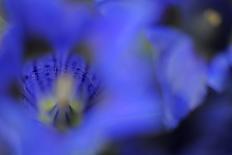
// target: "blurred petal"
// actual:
[[128, 108], [49, 19], [10, 55], [181, 72], [219, 70], [12, 123]]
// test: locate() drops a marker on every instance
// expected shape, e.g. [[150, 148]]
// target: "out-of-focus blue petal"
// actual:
[[128, 107], [12, 122], [39, 139], [181, 73], [120, 65], [49, 19], [219, 70], [158, 6], [37, 12], [121, 22], [122, 70], [114, 119], [10, 55]]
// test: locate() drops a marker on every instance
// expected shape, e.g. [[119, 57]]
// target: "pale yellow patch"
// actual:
[[64, 90], [63, 98], [45, 107], [213, 17]]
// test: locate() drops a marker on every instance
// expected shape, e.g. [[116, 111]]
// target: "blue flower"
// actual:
[[11, 55], [53, 20], [180, 72], [219, 71], [12, 121], [71, 106], [45, 78]]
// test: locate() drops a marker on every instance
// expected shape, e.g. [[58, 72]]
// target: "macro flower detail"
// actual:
[[177, 69], [113, 76], [219, 71], [60, 94]]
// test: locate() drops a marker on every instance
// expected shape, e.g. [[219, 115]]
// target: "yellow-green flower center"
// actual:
[[61, 109]]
